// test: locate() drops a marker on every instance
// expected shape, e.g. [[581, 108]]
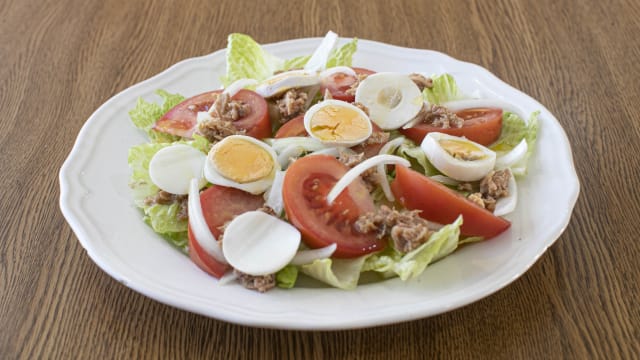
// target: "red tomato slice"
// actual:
[[440, 204], [339, 83], [206, 262], [482, 125], [306, 185], [181, 119], [220, 205], [293, 127]]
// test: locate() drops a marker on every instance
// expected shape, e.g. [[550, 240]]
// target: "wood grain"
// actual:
[[61, 59]]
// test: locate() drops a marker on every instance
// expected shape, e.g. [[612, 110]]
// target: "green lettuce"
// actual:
[[163, 219], [341, 273], [247, 59], [444, 89], [287, 276], [145, 114], [408, 266], [408, 150], [514, 129]]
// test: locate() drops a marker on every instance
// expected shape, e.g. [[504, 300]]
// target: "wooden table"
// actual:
[[60, 60]]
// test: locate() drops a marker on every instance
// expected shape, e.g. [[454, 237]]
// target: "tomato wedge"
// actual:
[[181, 119], [440, 204], [293, 127], [339, 83], [220, 205], [482, 125], [306, 185]]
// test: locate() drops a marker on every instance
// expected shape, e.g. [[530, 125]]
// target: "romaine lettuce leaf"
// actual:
[[444, 89], [514, 129], [287, 276], [340, 273], [145, 114], [344, 55], [440, 244], [247, 60]]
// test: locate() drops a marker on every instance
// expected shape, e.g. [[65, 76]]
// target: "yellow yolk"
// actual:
[[338, 123], [462, 150], [241, 161]]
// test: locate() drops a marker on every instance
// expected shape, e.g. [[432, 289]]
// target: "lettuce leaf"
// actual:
[[247, 60], [444, 89], [440, 244], [341, 273], [145, 114], [514, 129], [408, 150], [163, 219], [287, 276]]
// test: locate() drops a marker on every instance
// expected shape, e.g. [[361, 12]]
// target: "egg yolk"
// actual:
[[338, 123], [242, 161], [462, 150]]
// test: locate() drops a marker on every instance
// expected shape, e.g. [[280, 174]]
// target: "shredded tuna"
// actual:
[[421, 81], [406, 228], [496, 184], [167, 198], [377, 137], [351, 160], [439, 116], [362, 107], [262, 283], [292, 104], [224, 112], [467, 187], [351, 91], [476, 198]]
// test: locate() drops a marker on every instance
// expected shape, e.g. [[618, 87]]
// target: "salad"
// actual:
[[312, 165]]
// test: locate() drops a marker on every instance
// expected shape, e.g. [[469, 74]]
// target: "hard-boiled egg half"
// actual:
[[337, 123], [457, 157], [392, 99], [172, 168], [241, 162], [282, 82]]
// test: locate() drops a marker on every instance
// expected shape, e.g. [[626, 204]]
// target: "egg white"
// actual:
[[172, 168], [458, 169], [282, 82], [374, 92]]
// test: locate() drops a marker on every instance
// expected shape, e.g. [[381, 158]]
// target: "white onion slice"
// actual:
[[319, 58], [382, 174], [288, 153], [337, 69], [304, 257], [443, 179], [238, 85], [331, 151], [259, 244], [357, 170], [507, 204], [512, 157], [227, 278], [274, 195], [199, 227], [307, 143]]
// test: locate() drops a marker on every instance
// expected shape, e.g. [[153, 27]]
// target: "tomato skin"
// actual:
[[443, 205], [220, 204], [319, 224], [181, 119], [339, 83], [205, 261], [293, 127], [482, 125]]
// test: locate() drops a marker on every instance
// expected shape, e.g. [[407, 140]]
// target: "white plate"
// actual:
[[98, 205]]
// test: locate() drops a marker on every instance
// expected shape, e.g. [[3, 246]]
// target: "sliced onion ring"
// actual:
[[382, 174], [238, 85], [199, 227], [304, 257], [357, 170]]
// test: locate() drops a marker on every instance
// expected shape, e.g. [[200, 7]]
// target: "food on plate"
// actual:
[[313, 166]]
